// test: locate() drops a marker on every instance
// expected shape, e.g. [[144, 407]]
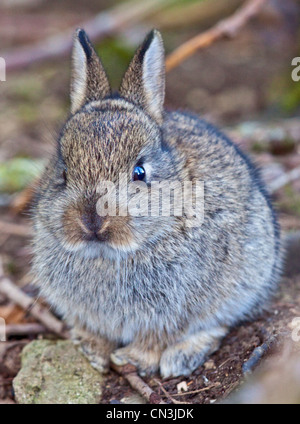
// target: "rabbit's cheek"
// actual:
[[73, 229], [121, 236]]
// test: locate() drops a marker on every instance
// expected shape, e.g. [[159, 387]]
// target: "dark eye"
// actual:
[[64, 175], [139, 173]]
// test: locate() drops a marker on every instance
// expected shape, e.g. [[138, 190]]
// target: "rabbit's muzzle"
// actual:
[[82, 225], [94, 227]]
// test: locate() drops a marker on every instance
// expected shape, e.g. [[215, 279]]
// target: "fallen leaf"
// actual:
[[182, 387], [209, 365]]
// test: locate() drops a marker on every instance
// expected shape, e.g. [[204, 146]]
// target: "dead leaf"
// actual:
[[182, 387], [12, 314], [209, 365]]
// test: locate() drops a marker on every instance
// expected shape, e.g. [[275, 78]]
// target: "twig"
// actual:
[[16, 295], [176, 402], [225, 362], [104, 24], [6, 346], [257, 355], [284, 180], [14, 229], [129, 372], [193, 392], [226, 28], [204, 389], [24, 329]]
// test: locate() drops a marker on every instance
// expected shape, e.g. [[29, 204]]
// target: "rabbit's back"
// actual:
[[240, 233]]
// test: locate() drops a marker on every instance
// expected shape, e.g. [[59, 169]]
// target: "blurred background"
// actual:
[[242, 84]]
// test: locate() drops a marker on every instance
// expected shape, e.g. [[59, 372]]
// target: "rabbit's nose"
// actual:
[[92, 222]]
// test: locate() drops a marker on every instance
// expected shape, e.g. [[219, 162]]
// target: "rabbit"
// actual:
[[151, 291]]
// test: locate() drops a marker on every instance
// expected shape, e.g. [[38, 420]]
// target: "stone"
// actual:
[[133, 399], [55, 372]]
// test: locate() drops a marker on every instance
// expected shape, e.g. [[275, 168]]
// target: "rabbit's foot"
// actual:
[[146, 361], [187, 355], [96, 349]]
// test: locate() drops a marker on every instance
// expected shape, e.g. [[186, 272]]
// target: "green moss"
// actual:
[[258, 147], [291, 99], [283, 91], [276, 147], [11, 268], [56, 373], [291, 201], [17, 173]]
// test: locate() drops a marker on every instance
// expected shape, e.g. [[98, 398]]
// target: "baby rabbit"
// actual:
[[153, 291]]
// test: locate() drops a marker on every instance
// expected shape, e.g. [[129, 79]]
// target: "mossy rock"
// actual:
[[56, 373]]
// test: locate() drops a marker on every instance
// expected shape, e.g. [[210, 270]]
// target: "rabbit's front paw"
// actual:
[[146, 361], [96, 349], [99, 360], [184, 357]]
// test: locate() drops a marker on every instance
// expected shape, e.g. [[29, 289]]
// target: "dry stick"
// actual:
[[257, 355], [13, 293], [193, 392], [168, 394], [16, 295], [104, 24], [5, 346], [129, 372], [14, 229], [226, 28], [24, 329]]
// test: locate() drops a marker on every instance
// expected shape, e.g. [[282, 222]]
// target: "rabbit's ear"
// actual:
[[144, 80], [89, 81]]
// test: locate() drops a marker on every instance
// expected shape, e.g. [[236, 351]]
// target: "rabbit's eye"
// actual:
[[139, 173], [64, 175]]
